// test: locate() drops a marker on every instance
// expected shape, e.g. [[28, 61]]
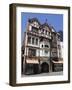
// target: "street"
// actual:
[[44, 74]]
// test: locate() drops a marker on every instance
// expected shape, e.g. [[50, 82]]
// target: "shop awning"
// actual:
[[57, 61], [32, 61]]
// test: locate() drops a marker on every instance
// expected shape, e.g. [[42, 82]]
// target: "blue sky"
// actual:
[[56, 20]]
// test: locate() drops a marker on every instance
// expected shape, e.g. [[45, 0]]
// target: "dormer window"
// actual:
[[34, 29]]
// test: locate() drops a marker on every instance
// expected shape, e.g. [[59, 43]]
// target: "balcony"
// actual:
[[45, 36]]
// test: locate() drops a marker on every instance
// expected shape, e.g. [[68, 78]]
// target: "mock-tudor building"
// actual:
[[41, 49]]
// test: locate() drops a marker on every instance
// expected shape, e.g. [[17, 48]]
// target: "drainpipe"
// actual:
[[50, 58]]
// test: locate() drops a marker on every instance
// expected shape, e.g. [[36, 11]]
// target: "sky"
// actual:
[[55, 20]]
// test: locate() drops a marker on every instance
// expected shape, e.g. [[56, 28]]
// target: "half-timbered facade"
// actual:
[[40, 48]]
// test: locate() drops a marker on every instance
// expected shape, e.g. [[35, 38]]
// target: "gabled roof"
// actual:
[[51, 28], [45, 24]]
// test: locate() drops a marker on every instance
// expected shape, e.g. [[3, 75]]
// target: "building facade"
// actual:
[[41, 48]]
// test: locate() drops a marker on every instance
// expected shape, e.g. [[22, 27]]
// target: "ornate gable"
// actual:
[[45, 26]]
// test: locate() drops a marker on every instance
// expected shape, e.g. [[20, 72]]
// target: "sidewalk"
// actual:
[[44, 74]]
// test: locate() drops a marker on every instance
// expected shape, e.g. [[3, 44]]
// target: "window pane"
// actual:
[[32, 52], [29, 39], [36, 41], [46, 52], [33, 40], [42, 45], [34, 29], [46, 46]]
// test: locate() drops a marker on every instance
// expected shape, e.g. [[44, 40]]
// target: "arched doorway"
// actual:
[[44, 67]]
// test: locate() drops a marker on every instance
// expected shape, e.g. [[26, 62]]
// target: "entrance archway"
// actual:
[[44, 67]]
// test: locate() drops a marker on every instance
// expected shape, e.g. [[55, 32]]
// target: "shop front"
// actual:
[[32, 67], [57, 66]]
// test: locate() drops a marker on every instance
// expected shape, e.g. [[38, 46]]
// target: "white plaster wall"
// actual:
[[42, 51], [30, 27], [46, 54], [37, 52]]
